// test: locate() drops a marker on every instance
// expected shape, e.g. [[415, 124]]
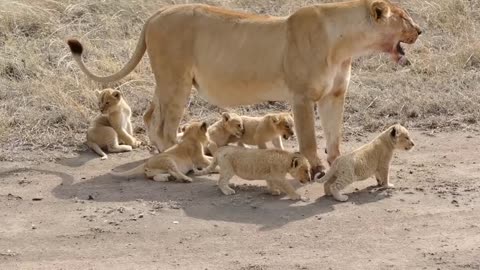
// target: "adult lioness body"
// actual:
[[234, 58]]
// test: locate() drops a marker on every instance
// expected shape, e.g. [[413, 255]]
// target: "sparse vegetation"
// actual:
[[46, 102]]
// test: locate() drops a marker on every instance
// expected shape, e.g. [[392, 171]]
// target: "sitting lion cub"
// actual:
[[112, 126], [260, 130], [371, 159], [177, 160], [271, 165], [220, 132]]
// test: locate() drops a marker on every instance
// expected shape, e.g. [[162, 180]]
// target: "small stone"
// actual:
[[37, 199], [34, 227], [140, 216], [90, 197], [175, 222]]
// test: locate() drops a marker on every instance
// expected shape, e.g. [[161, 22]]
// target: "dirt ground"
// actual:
[[71, 214]]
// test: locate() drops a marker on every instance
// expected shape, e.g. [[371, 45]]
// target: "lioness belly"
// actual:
[[238, 92]]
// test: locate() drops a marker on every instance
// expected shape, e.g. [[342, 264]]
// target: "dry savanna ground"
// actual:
[[60, 209]]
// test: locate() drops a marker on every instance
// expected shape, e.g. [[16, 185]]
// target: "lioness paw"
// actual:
[[388, 185], [104, 157]]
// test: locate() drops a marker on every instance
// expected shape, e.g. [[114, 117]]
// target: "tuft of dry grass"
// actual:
[[46, 102]]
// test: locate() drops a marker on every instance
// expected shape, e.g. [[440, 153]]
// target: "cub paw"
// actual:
[[341, 198], [227, 191]]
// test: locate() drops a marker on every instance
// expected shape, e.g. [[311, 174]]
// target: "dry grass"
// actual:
[[46, 102]]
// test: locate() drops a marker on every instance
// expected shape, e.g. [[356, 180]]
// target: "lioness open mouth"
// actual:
[[398, 55]]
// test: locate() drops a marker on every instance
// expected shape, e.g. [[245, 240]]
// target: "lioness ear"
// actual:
[[379, 10], [204, 126], [393, 133], [225, 116], [183, 128], [294, 163], [117, 94]]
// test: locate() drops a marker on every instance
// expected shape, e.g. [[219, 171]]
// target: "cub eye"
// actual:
[[239, 125], [107, 103]]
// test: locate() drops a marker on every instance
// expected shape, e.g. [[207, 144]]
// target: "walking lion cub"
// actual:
[[113, 126], [271, 165], [373, 158]]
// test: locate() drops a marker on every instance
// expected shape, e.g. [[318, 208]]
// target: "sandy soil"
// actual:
[[71, 214]]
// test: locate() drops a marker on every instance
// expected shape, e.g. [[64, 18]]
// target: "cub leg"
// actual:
[[277, 142], [287, 188], [274, 190]]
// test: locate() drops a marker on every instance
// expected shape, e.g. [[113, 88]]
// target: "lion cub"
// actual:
[[220, 132], [260, 130], [271, 165], [112, 126], [371, 159], [177, 160]]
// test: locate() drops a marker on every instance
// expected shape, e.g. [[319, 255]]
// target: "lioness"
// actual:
[[371, 159], [112, 125], [220, 132], [269, 128], [271, 165], [178, 160], [234, 58]]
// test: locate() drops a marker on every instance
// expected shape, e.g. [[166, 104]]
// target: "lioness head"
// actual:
[[394, 26], [300, 168], [108, 99], [401, 138], [233, 124], [196, 131], [283, 123]]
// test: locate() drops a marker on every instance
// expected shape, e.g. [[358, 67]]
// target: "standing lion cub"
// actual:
[[269, 128], [271, 165], [221, 132], [112, 126], [371, 159]]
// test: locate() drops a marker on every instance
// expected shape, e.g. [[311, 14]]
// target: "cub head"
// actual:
[[283, 123], [393, 25], [108, 100], [196, 131], [400, 137], [233, 124], [300, 168]]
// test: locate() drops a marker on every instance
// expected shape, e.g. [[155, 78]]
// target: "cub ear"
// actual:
[[116, 94], [183, 128], [98, 93], [225, 116], [294, 163], [204, 127], [393, 133], [274, 119], [379, 10]]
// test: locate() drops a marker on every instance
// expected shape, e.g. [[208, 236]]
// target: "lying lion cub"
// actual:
[[177, 160], [371, 159], [220, 132], [112, 126], [271, 165], [260, 130]]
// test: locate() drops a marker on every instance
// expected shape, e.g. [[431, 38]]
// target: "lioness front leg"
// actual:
[[331, 108], [305, 129]]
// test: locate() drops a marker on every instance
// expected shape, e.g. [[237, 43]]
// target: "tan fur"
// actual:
[[220, 133], [112, 126], [177, 160], [269, 128], [371, 159], [234, 58], [271, 165]]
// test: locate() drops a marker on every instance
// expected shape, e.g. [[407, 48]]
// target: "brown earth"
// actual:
[[71, 214]]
